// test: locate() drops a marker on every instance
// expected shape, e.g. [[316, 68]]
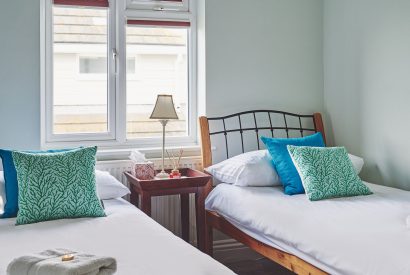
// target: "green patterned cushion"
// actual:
[[57, 186], [327, 172]]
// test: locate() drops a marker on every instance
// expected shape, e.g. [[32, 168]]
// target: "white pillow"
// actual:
[[109, 187], [2, 193], [249, 169], [358, 163]]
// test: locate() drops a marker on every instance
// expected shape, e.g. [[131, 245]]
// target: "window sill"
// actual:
[[150, 153]]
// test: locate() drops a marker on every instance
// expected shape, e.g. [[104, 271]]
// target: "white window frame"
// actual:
[[116, 138]]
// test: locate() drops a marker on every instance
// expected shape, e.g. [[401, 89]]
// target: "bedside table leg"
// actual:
[[134, 198], [146, 204], [200, 218], [185, 216]]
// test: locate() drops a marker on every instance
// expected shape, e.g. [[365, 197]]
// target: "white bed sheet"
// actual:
[[357, 235], [140, 245]]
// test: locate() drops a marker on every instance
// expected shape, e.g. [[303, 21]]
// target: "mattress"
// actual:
[[140, 245], [357, 235]]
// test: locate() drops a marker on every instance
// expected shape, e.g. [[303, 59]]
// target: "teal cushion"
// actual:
[[327, 173], [282, 162], [57, 185], [10, 179]]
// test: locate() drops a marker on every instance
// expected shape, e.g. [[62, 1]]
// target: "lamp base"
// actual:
[[162, 175]]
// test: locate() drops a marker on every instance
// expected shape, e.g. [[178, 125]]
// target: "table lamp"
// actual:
[[164, 110]]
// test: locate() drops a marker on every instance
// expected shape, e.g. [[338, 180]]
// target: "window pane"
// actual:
[[130, 65], [80, 70], [93, 65], [161, 67]]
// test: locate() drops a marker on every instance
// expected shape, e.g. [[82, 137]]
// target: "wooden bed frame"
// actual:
[[214, 220]]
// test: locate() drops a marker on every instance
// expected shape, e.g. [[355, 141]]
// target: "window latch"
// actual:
[[164, 9], [114, 57]]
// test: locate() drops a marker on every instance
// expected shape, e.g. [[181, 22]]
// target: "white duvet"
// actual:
[[139, 244], [358, 235]]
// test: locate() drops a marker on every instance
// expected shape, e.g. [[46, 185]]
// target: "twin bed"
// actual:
[[356, 235], [138, 243]]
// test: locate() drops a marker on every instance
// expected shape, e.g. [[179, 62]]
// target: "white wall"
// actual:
[[367, 83], [20, 74], [263, 54]]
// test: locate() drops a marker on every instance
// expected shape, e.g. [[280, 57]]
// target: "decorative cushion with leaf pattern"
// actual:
[[57, 186], [327, 172]]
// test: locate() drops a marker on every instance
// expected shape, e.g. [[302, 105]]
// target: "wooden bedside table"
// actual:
[[193, 181]]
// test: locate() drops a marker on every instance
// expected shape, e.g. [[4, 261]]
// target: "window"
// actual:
[[93, 65], [105, 66], [162, 52], [131, 65], [80, 107]]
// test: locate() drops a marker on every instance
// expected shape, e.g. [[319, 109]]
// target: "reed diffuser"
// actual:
[[175, 160]]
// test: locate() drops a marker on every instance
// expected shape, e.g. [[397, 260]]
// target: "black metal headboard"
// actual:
[[270, 125]]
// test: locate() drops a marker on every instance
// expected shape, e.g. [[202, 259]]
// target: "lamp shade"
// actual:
[[164, 108]]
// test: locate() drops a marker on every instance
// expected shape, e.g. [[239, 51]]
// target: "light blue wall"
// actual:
[[20, 74], [259, 54], [367, 84], [263, 54]]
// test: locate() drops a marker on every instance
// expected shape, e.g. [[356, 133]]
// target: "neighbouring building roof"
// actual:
[[87, 26]]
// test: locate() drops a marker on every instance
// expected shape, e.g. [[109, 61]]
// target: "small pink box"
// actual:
[[144, 171]]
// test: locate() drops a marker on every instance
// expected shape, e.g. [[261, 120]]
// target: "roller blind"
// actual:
[[84, 3]]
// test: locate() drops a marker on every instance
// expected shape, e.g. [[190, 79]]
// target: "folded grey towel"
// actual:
[[50, 262]]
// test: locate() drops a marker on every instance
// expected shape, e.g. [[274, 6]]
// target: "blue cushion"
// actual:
[[283, 163], [10, 178]]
